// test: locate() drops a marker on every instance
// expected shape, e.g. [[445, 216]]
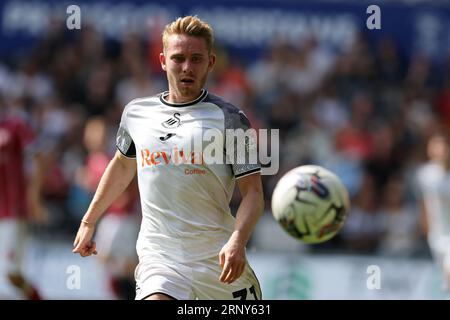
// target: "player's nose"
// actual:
[[187, 67]]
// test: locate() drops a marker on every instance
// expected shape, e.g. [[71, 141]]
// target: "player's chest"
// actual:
[[167, 130]]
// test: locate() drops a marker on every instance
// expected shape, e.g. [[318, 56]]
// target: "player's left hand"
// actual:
[[232, 260]]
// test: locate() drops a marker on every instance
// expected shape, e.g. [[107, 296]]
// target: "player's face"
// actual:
[[187, 63]]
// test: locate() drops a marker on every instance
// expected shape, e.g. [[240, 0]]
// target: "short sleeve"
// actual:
[[241, 144], [124, 141]]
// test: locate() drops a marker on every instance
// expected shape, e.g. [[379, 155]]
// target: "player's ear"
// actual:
[[162, 60], [212, 61]]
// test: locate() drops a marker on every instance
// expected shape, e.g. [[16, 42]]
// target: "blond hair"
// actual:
[[191, 26]]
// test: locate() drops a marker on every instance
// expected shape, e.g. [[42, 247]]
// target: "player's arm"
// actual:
[[116, 178], [232, 255]]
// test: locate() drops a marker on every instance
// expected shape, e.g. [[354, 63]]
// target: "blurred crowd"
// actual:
[[366, 113]]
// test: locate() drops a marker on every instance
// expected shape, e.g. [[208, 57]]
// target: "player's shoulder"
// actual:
[[222, 103], [144, 101], [234, 116]]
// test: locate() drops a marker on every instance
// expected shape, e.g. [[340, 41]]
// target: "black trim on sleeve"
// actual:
[[131, 150], [131, 153], [247, 172]]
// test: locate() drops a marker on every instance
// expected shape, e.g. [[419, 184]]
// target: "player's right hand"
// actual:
[[83, 243]]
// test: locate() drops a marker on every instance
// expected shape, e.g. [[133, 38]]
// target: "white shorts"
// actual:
[[193, 280], [12, 244]]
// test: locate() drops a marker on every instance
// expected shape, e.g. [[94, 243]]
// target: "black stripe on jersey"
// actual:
[[131, 152], [186, 104], [247, 172]]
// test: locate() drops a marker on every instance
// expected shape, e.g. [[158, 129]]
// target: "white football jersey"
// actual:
[[185, 199], [434, 182]]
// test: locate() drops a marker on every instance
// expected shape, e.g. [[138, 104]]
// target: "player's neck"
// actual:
[[173, 97]]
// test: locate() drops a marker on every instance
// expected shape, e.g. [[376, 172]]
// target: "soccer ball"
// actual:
[[310, 203]]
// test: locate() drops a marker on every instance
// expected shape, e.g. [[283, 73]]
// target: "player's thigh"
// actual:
[[154, 276], [207, 285]]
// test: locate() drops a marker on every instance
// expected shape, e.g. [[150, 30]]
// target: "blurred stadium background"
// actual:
[[357, 101]]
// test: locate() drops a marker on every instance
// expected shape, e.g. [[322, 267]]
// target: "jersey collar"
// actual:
[[163, 96]]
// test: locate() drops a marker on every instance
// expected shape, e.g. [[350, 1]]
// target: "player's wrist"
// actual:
[[87, 223], [238, 237]]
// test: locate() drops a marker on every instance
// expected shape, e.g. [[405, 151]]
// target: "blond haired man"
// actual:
[[189, 245]]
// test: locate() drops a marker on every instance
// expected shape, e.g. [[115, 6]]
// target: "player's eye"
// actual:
[[197, 59], [178, 59]]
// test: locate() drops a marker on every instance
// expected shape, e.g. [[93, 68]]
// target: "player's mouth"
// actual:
[[187, 81]]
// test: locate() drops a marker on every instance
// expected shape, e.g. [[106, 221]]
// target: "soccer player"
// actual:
[[189, 245], [20, 196], [434, 182]]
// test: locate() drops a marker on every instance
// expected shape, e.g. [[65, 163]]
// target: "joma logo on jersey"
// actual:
[[172, 122], [176, 157]]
